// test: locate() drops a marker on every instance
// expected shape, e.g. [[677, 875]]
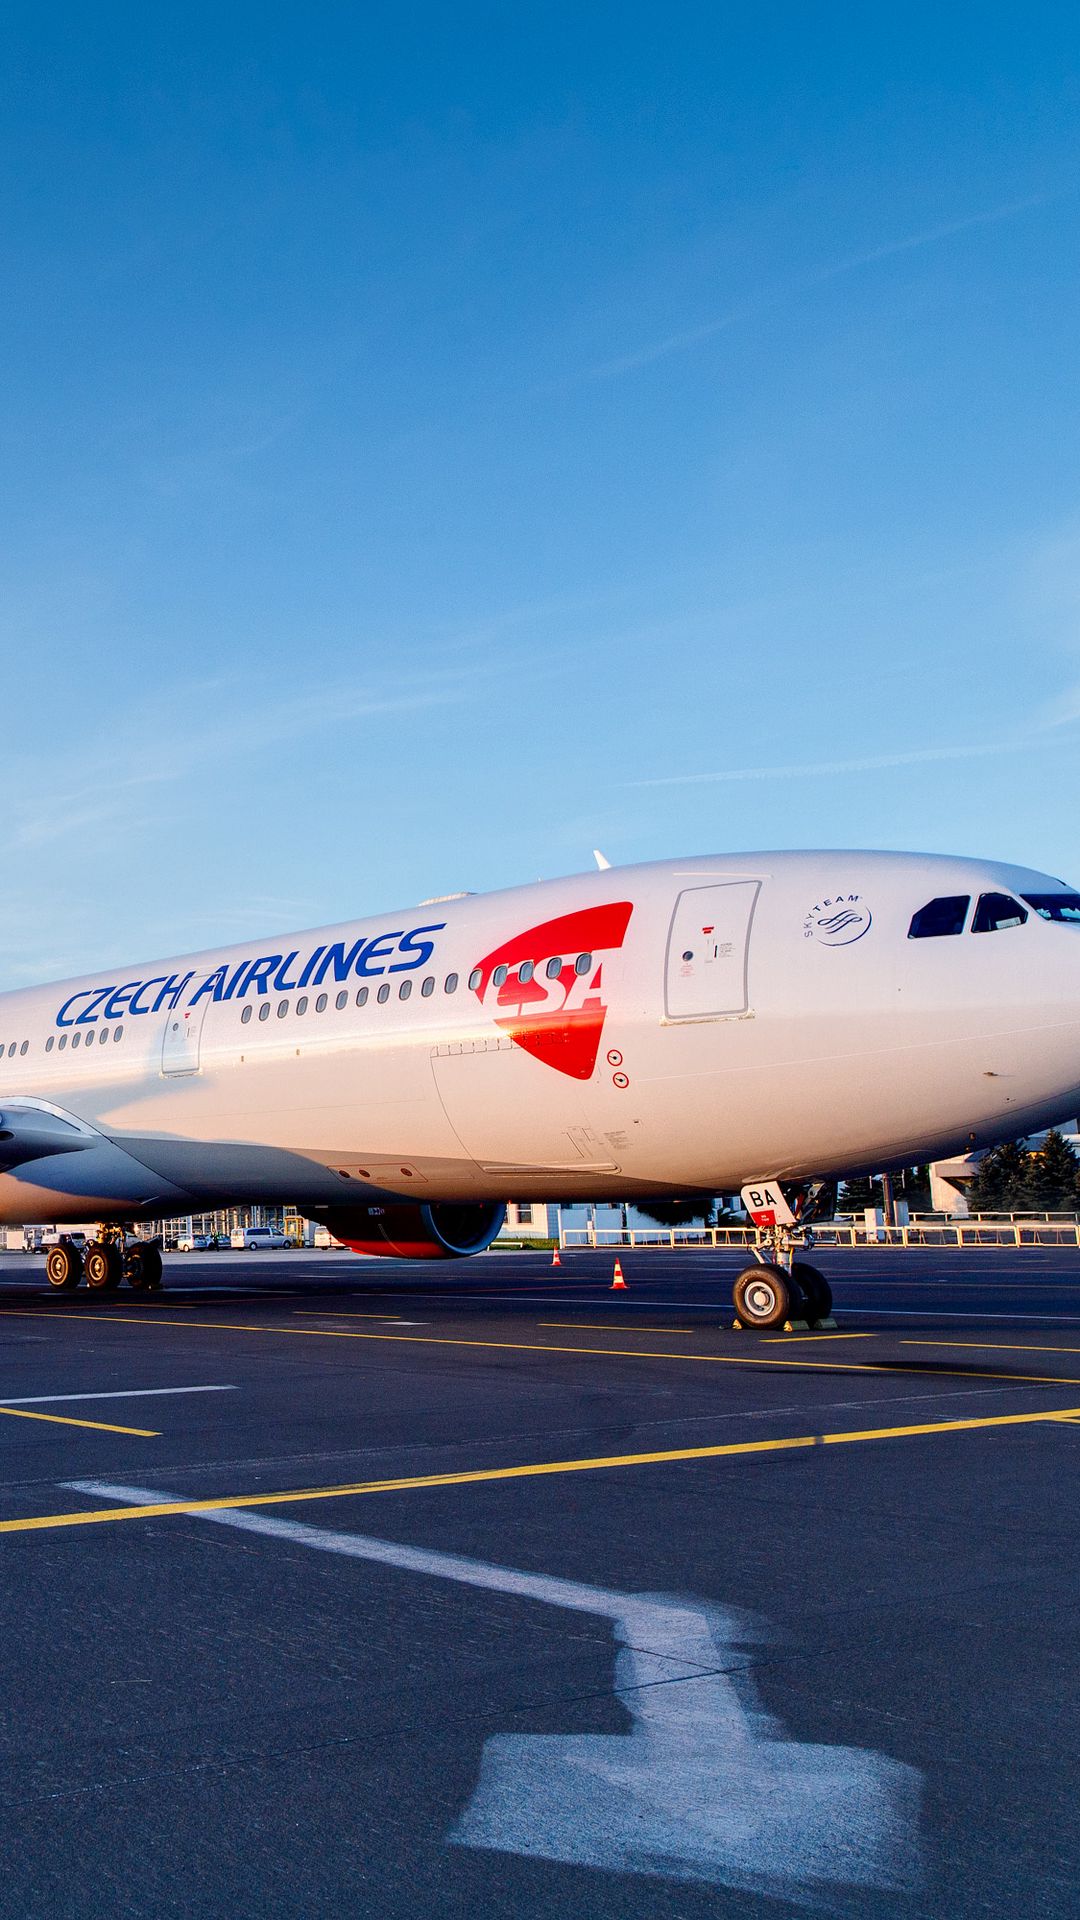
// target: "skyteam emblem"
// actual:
[[839, 921], [545, 987]]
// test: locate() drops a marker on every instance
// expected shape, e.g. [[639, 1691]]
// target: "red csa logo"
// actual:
[[558, 1018]]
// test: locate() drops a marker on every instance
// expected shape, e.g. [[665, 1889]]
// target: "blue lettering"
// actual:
[[231, 988], [379, 949], [118, 1000], [60, 1021], [145, 988], [259, 973], [423, 949], [283, 985], [337, 958], [171, 991], [309, 964], [89, 1014], [213, 983]]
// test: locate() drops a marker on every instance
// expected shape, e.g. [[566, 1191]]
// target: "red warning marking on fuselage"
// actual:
[[559, 1021]]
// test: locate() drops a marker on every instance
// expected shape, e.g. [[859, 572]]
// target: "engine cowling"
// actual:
[[438, 1230]]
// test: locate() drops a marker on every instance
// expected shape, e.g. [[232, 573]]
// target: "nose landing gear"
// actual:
[[781, 1289]]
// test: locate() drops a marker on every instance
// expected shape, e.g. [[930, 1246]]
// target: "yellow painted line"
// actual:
[[95, 1516], [604, 1326], [987, 1346], [546, 1346], [63, 1420], [346, 1313], [793, 1339]]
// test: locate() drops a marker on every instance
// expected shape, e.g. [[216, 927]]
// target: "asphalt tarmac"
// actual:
[[485, 1590]]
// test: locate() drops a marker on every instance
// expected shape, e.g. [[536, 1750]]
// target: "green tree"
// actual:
[[855, 1195], [1001, 1183], [1052, 1174]]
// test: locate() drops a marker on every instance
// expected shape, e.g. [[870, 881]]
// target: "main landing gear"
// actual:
[[108, 1260], [781, 1289]]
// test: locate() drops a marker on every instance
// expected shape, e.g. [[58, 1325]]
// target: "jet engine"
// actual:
[[439, 1230]]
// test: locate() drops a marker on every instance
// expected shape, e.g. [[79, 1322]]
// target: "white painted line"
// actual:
[[124, 1393], [704, 1788]]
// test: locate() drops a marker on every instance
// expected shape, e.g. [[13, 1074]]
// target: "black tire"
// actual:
[[63, 1267], [103, 1267], [764, 1297], [815, 1290], [142, 1269]]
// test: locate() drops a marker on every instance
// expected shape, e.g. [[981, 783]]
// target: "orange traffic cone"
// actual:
[[618, 1280], [555, 1260]]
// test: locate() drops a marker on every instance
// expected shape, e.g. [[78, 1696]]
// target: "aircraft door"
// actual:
[[182, 1038], [707, 951]]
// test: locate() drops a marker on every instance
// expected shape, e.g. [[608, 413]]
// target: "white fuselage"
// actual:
[[712, 1021]]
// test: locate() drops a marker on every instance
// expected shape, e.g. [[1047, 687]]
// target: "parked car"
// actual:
[[196, 1243], [257, 1239]]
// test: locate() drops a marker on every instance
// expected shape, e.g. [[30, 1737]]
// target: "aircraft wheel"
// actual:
[[142, 1269], [764, 1297], [815, 1290], [103, 1267], [63, 1267]]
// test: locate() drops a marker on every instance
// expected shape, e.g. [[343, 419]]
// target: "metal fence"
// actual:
[[1012, 1232]]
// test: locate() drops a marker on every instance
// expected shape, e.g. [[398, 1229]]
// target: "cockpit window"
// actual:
[[1056, 906], [940, 917], [995, 911]]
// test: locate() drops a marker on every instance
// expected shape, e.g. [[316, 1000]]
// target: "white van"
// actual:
[[257, 1239]]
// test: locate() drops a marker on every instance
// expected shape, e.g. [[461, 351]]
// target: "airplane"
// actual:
[[768, 1022]]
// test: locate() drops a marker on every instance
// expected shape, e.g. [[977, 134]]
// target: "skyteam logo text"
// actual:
[[365, 959], [839, 921]]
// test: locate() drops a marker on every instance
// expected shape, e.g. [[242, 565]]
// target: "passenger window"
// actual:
[[102, 1037], [583, 963], [63, 1042], [320, 1004], [499, 976], [384, 993], [341, 1001], [427, 987], [49, 1044], [450, 983], [940, 917], [117, 1031], [301, 1005], [553, 969], [264, 1010], [282, 1009], [245, 1016], [404, 990], [76, 1039], [26, 1044], [525, 972], [995, 911], [475, 978], [12, 1049], [361, 996]]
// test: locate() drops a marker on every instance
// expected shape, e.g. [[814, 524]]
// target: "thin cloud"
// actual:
[[247, 730], [867, 763], [909, 243]]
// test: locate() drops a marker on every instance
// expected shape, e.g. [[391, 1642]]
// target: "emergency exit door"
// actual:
[[708, 951], [182, 1038]]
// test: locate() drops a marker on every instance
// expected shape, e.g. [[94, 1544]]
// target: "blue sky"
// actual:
[[439, 441]]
